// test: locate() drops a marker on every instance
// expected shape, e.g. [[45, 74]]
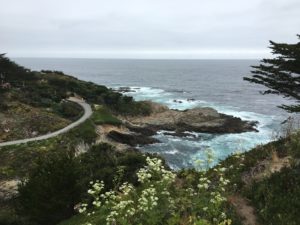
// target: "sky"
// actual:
[[183, 29]]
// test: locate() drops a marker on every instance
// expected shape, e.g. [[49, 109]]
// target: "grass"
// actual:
[[103, 116]]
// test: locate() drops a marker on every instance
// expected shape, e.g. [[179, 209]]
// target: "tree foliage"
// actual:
[[52, 190], [281, 75], [12, 72], [59, 179]]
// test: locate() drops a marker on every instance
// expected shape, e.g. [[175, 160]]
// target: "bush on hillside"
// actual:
[[277, 198], [157, 200], [102, 162], [85, 132], [69, 110], [102, 115], [52, 189]]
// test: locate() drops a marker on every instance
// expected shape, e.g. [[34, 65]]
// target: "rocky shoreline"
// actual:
[[138, 131]]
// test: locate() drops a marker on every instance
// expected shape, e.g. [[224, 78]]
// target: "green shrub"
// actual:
[[133, 108], [52, 190], [84, 132], [293, 146], [156, 200], [102, 162], [69, 110], [277, 198], [103, 116]]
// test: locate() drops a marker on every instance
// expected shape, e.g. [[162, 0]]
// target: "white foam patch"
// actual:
[[147, 93], [165, 131], [172, 152]]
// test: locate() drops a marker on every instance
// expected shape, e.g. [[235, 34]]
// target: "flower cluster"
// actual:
[[128, 203], [204, 183], [158, 196], [204, 165], [155, 170], [148, 199], [124, 208], [240, 157]]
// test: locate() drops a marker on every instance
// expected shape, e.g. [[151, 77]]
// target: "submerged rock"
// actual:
[[177, 101]]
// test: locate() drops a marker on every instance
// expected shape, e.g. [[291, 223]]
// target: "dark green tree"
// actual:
[[281, 75], [12, 72]]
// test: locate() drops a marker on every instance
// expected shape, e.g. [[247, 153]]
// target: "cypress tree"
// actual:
[[281, 75]]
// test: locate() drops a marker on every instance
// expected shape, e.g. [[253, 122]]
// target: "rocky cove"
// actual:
[[138, 130]]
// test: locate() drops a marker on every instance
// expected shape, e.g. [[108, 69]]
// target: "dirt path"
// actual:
[[243, 209]]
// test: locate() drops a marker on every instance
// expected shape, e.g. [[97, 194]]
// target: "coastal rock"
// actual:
[[124, 89], [147, 131], [177, 101], [131, 139], [206, 120]]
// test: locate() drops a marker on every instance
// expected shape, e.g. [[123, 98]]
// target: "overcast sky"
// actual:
[[146, 28]]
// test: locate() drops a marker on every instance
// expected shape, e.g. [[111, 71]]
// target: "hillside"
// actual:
[[33, 101], [263, 188], [76, 178]]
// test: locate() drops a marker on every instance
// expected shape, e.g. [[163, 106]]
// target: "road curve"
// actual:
[[87, 113]]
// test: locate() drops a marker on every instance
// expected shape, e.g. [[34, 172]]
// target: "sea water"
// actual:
[[184, 84]]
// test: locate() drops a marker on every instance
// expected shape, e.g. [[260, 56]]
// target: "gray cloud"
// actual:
[[146, 28]]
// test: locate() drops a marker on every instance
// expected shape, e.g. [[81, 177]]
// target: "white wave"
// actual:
[[172, 152], [165, 131]]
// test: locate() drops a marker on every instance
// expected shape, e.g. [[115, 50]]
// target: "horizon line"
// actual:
[[116, 58]]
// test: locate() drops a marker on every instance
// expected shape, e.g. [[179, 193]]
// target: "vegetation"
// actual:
[[39, 198], [21, 121], [130, 187], [157, 200], [18, 160], [33, 103], [276, 195], [48, 88], [69, 110], [58, 179], [102, 115], [277, 198], [85, 132], [280, 75]]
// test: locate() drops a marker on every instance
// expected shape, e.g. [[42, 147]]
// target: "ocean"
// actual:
[[213, 83]]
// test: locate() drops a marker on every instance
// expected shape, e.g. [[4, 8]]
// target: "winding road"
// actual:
[[87, 113]]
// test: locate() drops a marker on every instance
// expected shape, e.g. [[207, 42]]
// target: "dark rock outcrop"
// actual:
[[124, 89], [131, 139], [147, 131], [206, 120]]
